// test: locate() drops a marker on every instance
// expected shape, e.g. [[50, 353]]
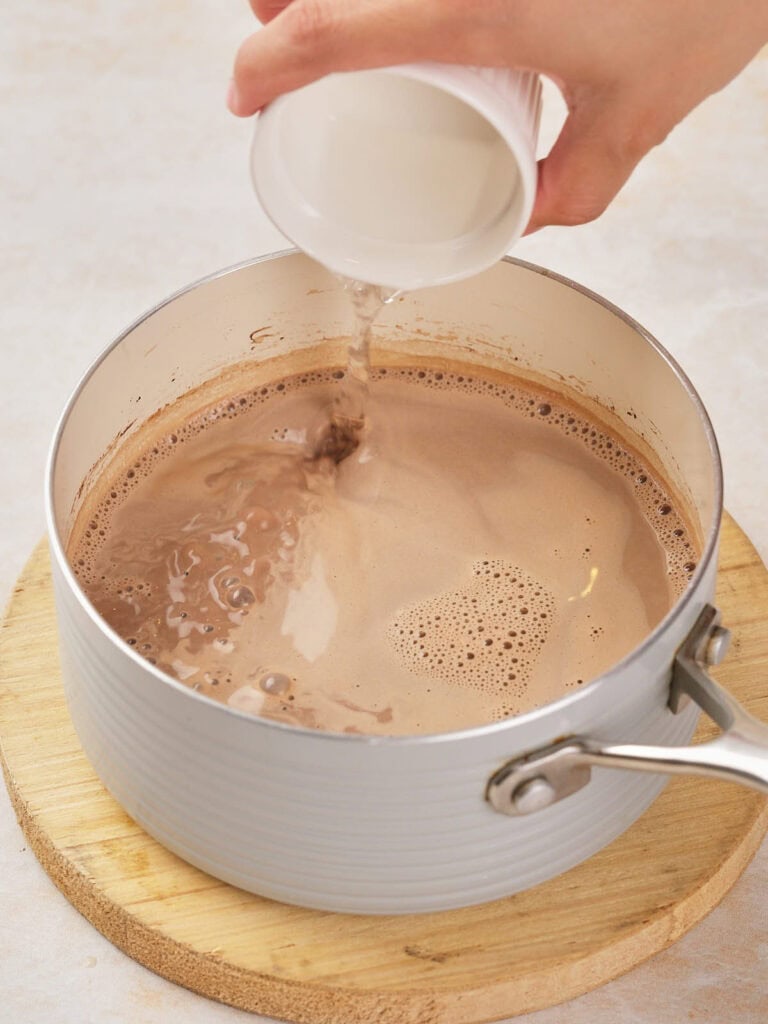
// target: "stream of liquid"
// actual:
[[342, 434]]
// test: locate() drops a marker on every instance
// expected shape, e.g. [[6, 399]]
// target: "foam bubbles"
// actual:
[[240, 597], [486, 635], [275, 683]]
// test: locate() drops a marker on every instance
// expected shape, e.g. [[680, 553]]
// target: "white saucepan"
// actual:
[[379, 824]]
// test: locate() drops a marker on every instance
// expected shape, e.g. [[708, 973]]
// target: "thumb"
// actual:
[[600, 145]]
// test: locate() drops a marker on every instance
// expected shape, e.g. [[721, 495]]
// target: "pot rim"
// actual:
[[475, 732]]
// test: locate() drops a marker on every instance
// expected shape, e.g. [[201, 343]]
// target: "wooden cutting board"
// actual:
[[523, 953]]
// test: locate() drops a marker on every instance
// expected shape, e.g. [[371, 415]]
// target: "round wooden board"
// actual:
[[479, 964]]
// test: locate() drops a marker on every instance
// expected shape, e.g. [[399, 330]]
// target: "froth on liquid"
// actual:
[[484, 549]]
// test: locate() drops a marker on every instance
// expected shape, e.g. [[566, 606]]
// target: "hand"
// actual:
[[629, 70]]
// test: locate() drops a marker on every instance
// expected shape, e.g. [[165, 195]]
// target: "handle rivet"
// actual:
[[533, 795]]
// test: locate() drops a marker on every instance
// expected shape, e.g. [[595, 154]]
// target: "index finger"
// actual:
[[311, 38]]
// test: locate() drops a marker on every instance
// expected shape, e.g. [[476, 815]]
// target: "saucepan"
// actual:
[[372, 824]]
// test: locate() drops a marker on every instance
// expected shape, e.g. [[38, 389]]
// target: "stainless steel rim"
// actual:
[[494, 728]]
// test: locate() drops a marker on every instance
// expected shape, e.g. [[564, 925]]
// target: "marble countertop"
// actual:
[[122, 179]]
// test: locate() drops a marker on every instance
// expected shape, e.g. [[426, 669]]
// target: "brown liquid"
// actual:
[[484, 549]]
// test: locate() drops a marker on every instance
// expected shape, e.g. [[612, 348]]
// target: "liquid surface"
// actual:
[[482, 551]]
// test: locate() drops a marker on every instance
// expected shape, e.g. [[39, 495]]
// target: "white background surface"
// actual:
[[122, 178]]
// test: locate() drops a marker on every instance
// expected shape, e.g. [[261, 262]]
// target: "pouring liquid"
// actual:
[[340, 437]]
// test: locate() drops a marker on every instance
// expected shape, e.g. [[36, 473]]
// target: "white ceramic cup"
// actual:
[[407, 176]]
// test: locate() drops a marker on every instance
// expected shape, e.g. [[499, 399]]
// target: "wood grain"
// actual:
[[519, 954]]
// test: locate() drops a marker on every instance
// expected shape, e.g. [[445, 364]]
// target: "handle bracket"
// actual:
[[543, 777]]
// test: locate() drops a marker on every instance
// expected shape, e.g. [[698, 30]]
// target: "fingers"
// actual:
[[600, 144], [604, 137], [307, 39]]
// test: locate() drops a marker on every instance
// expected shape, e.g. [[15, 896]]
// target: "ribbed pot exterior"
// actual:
[[350, 823]]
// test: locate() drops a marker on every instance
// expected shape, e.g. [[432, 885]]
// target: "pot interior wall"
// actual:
[[512, 317]]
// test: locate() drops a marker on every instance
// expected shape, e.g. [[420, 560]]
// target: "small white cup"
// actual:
[[406, 176]]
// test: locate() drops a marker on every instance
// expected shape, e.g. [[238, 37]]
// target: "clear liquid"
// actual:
[[343, 434]]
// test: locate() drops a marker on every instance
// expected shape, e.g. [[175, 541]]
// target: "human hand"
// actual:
[[629, 70]]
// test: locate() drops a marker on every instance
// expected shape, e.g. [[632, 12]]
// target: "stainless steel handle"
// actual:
[[740, 754]]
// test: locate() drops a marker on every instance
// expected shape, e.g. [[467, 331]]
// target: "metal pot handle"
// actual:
[[740, 754]]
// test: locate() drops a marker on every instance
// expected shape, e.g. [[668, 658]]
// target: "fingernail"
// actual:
[[233, 98]]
